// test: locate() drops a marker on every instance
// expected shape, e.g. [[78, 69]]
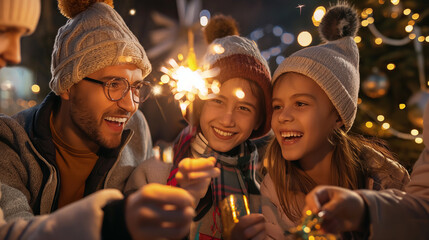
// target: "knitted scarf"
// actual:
[[237, 167]]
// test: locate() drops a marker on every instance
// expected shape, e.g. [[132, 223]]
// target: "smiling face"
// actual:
[[10, 45], [90, 117], [228, 119], [303, 118]]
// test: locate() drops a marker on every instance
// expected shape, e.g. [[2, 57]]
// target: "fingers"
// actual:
[[165, 195], [315, 199], [249, 227], [196, 164]]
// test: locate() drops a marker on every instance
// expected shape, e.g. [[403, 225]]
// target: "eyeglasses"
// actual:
[[116, 88]]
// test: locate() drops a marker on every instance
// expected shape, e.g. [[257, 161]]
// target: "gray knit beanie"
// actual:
[[20, 13], [93, 38], [334, 66]]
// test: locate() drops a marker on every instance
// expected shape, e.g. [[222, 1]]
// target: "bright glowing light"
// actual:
[[421, 38], [218, 49], [156, 90], [32, 103], [380, 118], [427, 38], [395, 2], [369, 124], [35, 88], [418, 140], [132, 12], [411, 22], [369, 11], [165, 78], [414, 132], [378, 41], [364, 23], [385, 126], [415, 16], [204, 20], [180, 57], [358, 39], [390, 66], [359, 101], [370, 20], [409, 28], [318, 15], [308, 212], [412, 36], [402, 106], [407, 11], [307, 230], [311, 237], [304, 38], [239, 93]]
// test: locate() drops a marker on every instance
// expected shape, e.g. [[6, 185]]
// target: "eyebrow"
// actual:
[[241, 102]]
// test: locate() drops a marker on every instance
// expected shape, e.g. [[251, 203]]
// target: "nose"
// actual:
[[227, 119], [285, 115], [127, 103], [12, 55]]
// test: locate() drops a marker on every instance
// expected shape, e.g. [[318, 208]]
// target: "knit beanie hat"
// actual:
[[334, 65], [20, 13], [237, 56], [93, 38]]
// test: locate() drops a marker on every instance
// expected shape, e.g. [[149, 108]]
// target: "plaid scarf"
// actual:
[[237, 172]]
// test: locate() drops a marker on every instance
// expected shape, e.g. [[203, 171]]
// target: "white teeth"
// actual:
[[222, 133], [116, 119], [291, 134]]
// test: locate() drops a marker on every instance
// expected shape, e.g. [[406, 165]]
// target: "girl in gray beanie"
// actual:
[[315, 93]]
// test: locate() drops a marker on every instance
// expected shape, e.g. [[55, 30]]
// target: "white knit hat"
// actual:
[[334, 66], [94, 38], [20, 13]]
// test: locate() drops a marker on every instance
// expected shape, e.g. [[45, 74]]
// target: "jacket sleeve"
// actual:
[[80, 220]]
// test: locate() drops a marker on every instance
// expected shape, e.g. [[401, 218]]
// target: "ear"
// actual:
[[339, 122]]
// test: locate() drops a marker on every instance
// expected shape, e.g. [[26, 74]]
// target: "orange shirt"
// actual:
[[74, 165]]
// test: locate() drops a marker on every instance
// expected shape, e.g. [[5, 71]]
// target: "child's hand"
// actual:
[[249, 227], [194, 175]]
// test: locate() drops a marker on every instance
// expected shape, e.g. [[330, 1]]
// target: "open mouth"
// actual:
[[291, 136], [223, 133], [116, 121]]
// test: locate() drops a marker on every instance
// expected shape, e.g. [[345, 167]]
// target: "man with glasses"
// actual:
[[75, 151]]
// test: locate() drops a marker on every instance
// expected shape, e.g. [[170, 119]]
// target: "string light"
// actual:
[[304, 38]]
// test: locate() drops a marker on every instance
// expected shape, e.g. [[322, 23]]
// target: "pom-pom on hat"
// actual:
[[240, 57], [334, 65], [20, 13], [93, 38]]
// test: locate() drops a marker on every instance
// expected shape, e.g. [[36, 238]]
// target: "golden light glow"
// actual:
[[395, 2], [421, 38], [358, 39], [311, 238], [180, 57], [246, 204], [304, 38], [409, 28], [368, 11], [308, 212], [218, 49], [385, 126], [380, 118], [427, 39], [307, 230], [370, 20], [364, 23], [414, 132], [32, 103], [204, 20], [402, 106], [390, 66], [394, 15], [411, 22], [239, 93], [165, 78], [35, 88], [363, 14], [407, 11], [415, 16], [132, 12], [318, 15], [412, 36], [359, 101], [156, 90], [418, 140], [380, 1], [369, 124], [378, 41]]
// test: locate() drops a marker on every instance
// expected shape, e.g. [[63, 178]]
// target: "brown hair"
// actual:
[[349, 168]]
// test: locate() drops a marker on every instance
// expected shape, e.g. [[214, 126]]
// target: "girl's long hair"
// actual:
[[349, 169]]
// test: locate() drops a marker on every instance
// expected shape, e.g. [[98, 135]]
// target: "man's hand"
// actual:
[[344, 209], [195, 174], [249, 227], [159, 211]]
